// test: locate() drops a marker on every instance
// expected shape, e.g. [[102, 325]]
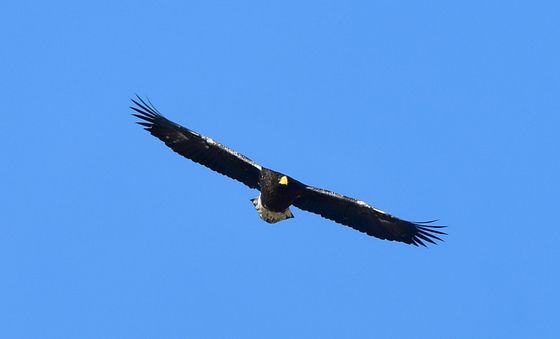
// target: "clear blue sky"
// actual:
[[423, 109]]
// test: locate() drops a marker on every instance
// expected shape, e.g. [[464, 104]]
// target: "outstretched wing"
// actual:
[[364, 218], [197, 147]]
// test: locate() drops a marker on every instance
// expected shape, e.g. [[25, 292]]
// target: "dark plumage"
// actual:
[[278, 191]]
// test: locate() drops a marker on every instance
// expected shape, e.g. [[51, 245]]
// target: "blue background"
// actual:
[[424, 109]]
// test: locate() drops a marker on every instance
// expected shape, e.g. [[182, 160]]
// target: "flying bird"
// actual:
[[279, 191]]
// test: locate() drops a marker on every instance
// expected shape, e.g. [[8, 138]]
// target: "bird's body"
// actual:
[[278, 194], [278, 191]]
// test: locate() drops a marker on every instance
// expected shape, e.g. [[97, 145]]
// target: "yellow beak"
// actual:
[[283, 180]]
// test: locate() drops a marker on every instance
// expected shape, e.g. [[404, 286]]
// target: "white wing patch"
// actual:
[[363, 203]]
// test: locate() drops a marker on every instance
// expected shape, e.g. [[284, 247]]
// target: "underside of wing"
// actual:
[[197, 147], [362, 217]]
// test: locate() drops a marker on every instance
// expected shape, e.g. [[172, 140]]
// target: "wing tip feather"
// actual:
[[146, 109], [428, 233]]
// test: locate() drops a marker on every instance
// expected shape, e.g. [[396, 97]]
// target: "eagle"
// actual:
[[279, 191]]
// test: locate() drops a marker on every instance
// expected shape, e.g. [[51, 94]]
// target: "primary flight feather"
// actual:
[[278, 191]]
